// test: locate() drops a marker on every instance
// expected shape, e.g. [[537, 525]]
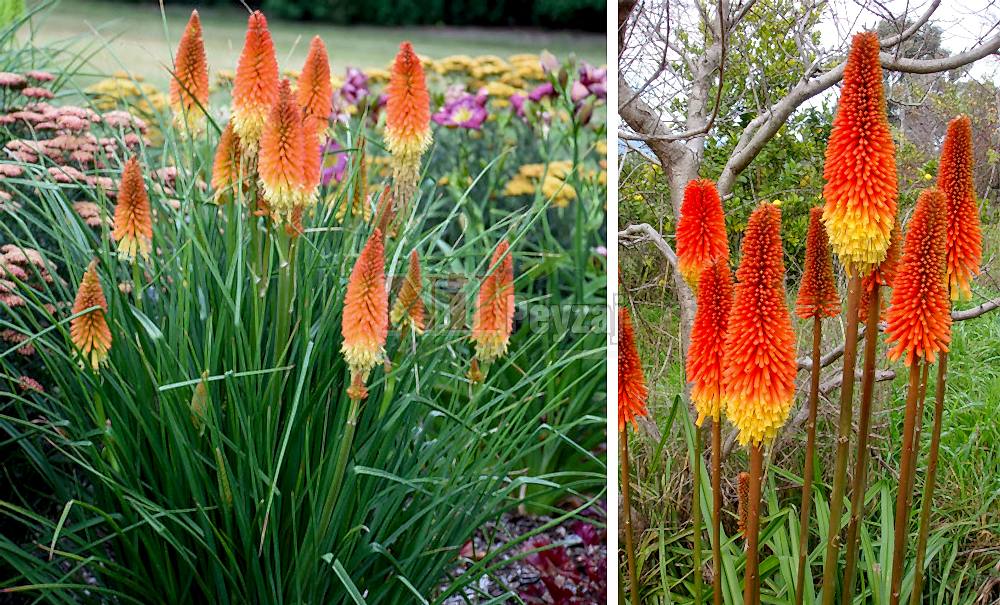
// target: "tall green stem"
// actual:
[[902, 498], [717, 510], [751, 578], [843, 441], [633, 580], [807, 471], [696, 511], [928, 498], [860, 484]]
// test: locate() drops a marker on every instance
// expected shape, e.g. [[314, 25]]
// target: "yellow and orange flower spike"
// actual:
[[701, 230], [189, 86], [860, 171], [133, 226], [314, 91], [384, 214], [409, 307], [759, 366], [708, 339], [282, 150], [494, 317], [964, 240], [818, 292], [255, 89], [365, 323], [226, 166], [408, 122], [919, 317], [89, 332], [632, 391]]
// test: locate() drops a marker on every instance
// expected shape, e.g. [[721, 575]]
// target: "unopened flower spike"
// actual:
[[189, 85], [701, 230], [365, 323], [818, 295], [494, 316], [226, 166], [133, 225], [89, 332], [409, 308]]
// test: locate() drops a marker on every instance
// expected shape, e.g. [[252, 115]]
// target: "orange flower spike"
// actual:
[[133, 226], [919, 318], [226, 166], [632, 391], [409, 307], [408, 117], [189, 86], [818, 293], [89, 332], [860, 171], [708, 338], [701, 231], [282, 150], [315, 91], [964, 239], [494, 318], [365, 323], [759, 366], [256, 86]]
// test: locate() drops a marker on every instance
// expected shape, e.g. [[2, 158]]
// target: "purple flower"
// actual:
[[542, 91], [578, 92], [334, 162], [517, 101], [355, 86], [595, 79], [549, 62], [466, 111]]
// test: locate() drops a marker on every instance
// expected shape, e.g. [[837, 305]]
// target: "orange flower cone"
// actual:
[[255, 89], [226, 166], [860, 172], [189, 85], [365, 323], [708, 338], [282, 151], [631, 382], [701, 231], [919, 317], [964, 240], [408, 117], [818, 293], [315, 97], [133, 226], [89, 332], [759, 366], [494, 317], [409, 307]]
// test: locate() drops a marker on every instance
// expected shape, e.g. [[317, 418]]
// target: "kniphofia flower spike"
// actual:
[[494, 318], [365, 324], [964, 239], [919, 317], [409, 307], [226, 165], [89, 332], [860, 171], [759, 366], [701, 230], [632, 391], [133, 226], [255, 89], [407, 126], [282, 155], [708, 338], [818, 292], [189, 85], [315, 98]]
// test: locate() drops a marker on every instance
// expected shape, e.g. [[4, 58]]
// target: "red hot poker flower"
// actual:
[[818, 293], [701, 231], [708, 338], [964, 240], [282, 154], [133, 227], [493, 321], [759, 367], [860, 171], [226, 165], [315, 97], [631, 381], [408, 122], [919, 318], [89, 332], [409, 307], [365, 323], [256, 86], [189, 86]]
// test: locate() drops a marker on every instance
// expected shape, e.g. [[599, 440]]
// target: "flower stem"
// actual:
[[633, 581], [860, 484], [928, 496], [751, 577], [696, 511], [807, 471], [902, 499], [717, 509], [843, 441]]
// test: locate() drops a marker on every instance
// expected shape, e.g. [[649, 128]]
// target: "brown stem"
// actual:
[[928, 497], [807, 471], [860, 484], [717, 509], [843, 441], [916, 433], [902, 499], [751, 577], [627, 506]]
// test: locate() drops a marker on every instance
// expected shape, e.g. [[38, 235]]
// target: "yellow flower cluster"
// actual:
[[552, 178], [133, 94]]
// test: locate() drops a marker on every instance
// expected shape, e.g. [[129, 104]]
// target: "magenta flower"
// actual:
[[542, 91], [517, 101], [334, 162], [465, 111], [355, 86], [595, 79]]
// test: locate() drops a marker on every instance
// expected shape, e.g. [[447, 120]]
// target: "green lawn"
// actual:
[[131, 36]]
